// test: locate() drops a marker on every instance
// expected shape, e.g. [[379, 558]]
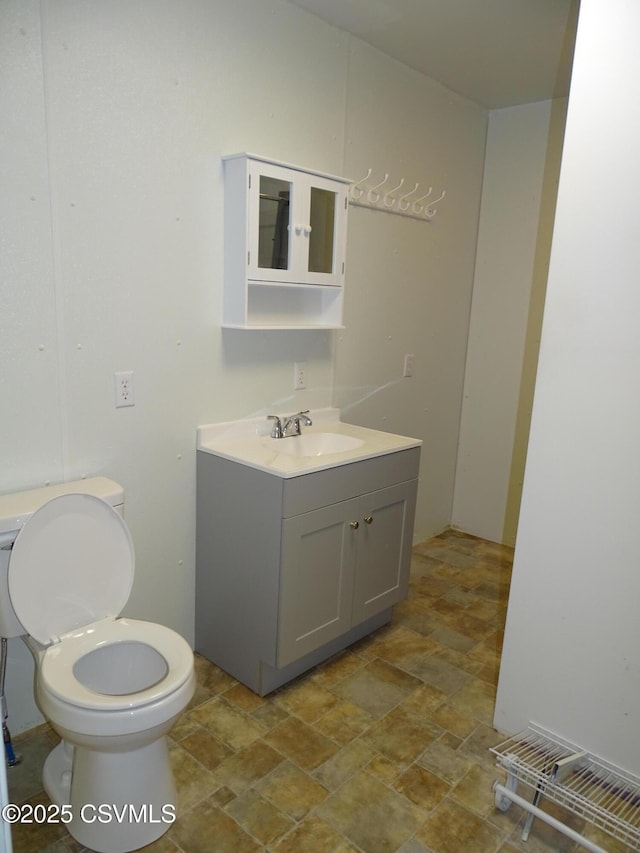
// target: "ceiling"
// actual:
[[498, 53]]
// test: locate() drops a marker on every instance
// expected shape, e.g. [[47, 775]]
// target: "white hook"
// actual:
[[430, 212], [416, 207], [357, 191], [388, 199], [372, 195], [402, 198]]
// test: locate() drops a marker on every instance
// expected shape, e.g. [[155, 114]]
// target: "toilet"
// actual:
[[111, 687]]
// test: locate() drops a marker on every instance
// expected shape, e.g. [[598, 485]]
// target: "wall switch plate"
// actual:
[[300, 375], [123, 388], [409, 363]]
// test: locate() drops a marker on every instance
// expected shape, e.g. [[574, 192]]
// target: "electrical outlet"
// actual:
[[409, 363], [123, 388], [300, 375]]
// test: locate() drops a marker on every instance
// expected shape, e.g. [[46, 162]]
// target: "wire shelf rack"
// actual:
[[602, 794]]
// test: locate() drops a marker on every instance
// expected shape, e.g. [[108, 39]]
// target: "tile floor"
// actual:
[[383, 748]]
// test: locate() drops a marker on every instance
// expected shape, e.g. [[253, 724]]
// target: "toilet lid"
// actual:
[[72, 563]]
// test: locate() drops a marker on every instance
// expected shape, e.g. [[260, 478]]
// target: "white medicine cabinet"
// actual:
[[284, 245]]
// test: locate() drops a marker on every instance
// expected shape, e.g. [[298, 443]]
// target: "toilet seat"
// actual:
[[72, 564], [70, 575], [58, 662]]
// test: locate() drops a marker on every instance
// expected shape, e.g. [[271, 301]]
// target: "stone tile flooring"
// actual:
[[383, 748]]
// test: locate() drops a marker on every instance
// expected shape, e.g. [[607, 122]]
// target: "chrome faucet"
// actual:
[[291, 425], [293, 421]]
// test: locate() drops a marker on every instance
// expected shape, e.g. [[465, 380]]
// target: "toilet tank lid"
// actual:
[[17, 507]]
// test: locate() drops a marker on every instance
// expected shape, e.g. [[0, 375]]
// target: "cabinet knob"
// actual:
[[368, 519], [307, 229], [354, 525]]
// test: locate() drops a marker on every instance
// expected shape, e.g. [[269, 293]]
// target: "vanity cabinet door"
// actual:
[[384, 549], [316, 579], [341, 565]]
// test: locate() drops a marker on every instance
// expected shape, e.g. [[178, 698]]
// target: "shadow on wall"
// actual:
[[540, 273]]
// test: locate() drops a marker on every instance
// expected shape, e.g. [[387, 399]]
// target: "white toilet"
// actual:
[[111, 687]]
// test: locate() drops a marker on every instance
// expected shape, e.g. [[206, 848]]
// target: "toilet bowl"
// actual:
[[111, 687]]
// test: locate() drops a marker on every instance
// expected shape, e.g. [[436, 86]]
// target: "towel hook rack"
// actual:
[[364, 193]]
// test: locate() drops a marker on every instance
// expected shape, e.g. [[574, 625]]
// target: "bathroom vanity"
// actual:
[[302, 547]]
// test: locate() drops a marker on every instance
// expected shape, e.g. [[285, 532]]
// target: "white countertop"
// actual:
[[249, 442]]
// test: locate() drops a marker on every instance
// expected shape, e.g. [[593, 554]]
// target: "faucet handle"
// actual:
[[276, 432], [291, 426]]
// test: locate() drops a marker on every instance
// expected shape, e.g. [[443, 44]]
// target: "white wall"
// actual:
[[522, 163], [409, 281], [115, 116], [571, 659]]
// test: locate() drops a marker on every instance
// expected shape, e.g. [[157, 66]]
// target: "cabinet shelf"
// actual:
[[272, 305], [285, 238]]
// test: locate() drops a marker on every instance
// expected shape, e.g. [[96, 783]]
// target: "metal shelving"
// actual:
[[602, 794]]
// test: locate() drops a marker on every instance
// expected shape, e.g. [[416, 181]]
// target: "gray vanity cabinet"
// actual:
[[342, 564], [291, 570]]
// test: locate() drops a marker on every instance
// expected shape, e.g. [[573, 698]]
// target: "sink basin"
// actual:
[[315, 444], [329, 443]]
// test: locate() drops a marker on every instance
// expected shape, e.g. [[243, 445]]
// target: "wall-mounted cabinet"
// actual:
[[284, 245]]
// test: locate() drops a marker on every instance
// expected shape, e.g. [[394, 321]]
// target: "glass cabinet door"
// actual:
[[322, 217], [272, 208], [274, 220]]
